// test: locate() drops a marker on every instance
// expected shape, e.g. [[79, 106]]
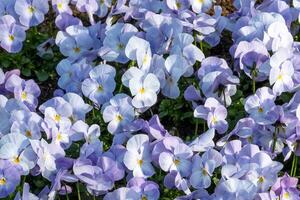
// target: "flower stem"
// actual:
[[201, 46], [67, 195], [224, 98], [253, 74], [121, 87], [253, 86], [294, 165], [94, 115], [204, 126], [196, 127], [22, 184], [78, 191], [151, 112], [274, 140]]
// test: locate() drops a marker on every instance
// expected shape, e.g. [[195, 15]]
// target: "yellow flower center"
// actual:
[[57, 118], [140, 162], [101, 1], [72, 119], [17, 160], [119, 117], [76, 49], [11, 38], [261, 179], [286, 195], [279, 77], [214, 120], [23, 96], [31, 9], [100, 88], [176, 162], [178, 5], [120, 46], [58, 137], [142, 90], [260, 109], [204, 172], [250, 139], [2, 181], [144, 198], [145, 60], [200, 1], [28, 133], [59, 6], [170, 80]]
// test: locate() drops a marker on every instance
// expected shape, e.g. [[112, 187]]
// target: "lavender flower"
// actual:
[[214, 113], [203, 168], [10, 178], [25, 91]]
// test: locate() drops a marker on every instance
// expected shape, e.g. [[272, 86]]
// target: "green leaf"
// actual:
[[5, 63], [26, 72], [41, 75]]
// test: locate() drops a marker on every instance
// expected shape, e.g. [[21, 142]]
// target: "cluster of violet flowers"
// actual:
[[132, 54]]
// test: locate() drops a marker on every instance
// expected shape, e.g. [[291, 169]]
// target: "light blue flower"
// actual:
[[122, 193], [176, 158], [59, 116], [176, 66], [282, 71], [116, 39], [203, 142], [199, 6], [138, 156], [139, 49], [89, 133], [261, 106], [119, 113], [160, 31], [10, 178], [7, 106], [74, 42], [47, 155], [214, 113], [31, 12], [72, 74], [7, 7], [203, 168], [278, 37], [217, 79], [235, 189], [16, 148], [62, 6], [182, 45], [144, 88], [100, 85], [103, 7], [79, 107], [26, 123], [12, 34]]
